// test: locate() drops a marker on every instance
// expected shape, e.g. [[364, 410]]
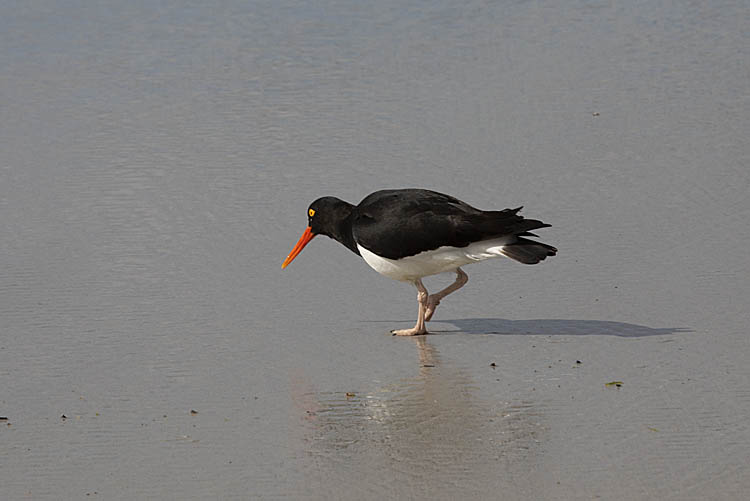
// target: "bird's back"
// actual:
[[400, 223], [410, 202]]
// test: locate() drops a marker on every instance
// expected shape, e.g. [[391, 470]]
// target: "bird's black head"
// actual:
[[327, 216]]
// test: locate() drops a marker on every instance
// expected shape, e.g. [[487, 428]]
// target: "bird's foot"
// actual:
[[409, 332], [430, 307]]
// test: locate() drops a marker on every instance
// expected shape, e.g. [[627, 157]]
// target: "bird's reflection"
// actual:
[[433, 431]]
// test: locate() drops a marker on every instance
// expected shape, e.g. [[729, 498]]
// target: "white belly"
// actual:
[[435, 261]]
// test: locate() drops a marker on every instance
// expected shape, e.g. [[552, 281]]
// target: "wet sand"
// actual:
[[157, 165]]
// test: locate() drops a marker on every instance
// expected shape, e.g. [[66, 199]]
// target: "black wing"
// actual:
[[400, 223]]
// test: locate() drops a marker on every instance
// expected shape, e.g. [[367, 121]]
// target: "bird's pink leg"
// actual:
[[420, 328], [434, 299]]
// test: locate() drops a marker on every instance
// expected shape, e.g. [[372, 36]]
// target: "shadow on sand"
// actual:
[[553, 327]]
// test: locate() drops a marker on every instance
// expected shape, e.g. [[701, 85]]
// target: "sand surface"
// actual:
[[157, 161]]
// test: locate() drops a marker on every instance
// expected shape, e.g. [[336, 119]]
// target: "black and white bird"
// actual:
[[409, 234]]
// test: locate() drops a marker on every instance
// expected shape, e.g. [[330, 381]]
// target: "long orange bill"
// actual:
[[303, 240]]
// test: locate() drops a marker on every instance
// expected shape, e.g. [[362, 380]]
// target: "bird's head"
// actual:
[[324, 217]]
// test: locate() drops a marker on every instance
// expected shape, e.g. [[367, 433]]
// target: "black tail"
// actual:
[[527, 251]]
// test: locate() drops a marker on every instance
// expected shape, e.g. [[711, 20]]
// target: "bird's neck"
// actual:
[[343, 232], [340, 227]]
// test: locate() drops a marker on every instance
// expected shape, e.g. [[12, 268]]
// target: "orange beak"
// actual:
[[303, 240]]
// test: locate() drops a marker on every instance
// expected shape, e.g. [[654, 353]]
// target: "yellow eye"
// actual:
[[311, 212]]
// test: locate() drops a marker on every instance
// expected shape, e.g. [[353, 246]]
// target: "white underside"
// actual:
[[435, 261]]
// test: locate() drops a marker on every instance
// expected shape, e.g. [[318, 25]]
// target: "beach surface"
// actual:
[[157, 164]]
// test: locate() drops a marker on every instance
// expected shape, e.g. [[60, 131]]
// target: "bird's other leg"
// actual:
[[434, 299], [418, 329]]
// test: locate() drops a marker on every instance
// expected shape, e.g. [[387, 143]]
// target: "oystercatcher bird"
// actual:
[[409, 234]]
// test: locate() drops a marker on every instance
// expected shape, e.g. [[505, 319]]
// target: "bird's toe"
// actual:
[[430, 307], [408, 332]]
